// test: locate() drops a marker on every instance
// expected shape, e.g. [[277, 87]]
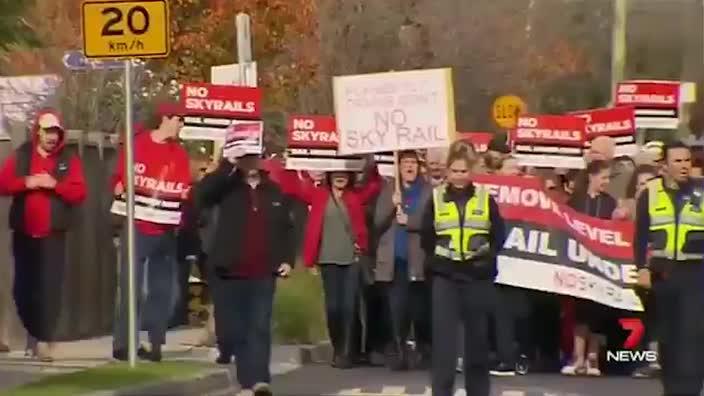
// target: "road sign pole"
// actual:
[[129, 163]]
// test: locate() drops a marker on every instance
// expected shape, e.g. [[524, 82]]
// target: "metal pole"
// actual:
[[618, 43], [129, 163]]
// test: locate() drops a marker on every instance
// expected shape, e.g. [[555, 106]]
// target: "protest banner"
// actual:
[[656, 103], [386, 164], [552, 248], [617, 123], [245, 134], [211, 109], [554, 141], [480, 140], [394, 111], [312, 145]]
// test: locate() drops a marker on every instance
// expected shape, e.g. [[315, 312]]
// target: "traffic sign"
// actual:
[[506, 110], [76, 61], [126, 29]]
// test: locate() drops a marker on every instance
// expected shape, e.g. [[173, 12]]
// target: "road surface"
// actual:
[[326, 381]]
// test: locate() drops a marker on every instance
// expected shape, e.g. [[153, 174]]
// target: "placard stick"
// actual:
[[397, 175]]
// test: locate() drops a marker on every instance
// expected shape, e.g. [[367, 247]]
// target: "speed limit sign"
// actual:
[[506, 110], [126, 29]]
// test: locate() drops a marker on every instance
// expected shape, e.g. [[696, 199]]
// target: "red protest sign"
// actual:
[[559, 130], [312, 131], [480, 140], [227, 101], [615, 121], [648, 94]]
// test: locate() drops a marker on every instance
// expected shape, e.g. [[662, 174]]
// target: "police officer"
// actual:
[[461, 233], [670, 230]]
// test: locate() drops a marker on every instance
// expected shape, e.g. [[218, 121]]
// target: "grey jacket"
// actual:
[[385, 226]]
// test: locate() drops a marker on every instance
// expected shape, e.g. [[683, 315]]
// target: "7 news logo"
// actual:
[[630, 351]]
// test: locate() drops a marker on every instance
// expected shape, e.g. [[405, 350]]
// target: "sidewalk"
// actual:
[[15, 369]]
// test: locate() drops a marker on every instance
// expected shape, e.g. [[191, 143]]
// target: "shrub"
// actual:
[[299, 316]]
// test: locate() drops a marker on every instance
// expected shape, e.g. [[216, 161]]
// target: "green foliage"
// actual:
[[573, 92], [14, 28], [299, 317]]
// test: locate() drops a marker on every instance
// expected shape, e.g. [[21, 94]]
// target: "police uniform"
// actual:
[[670, 229], [461, 233]]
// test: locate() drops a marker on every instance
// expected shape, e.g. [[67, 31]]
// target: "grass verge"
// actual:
[[108, 377], [299, 317]]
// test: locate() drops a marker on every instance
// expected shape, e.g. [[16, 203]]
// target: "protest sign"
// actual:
[[552, 248], [657, 103], [554, 141], [394, 111], [244, 134], [211, 109], [480, 140], [385, 164], [312, 145], [617, 123]]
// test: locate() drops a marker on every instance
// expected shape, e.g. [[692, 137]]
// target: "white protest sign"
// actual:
[[394, 111]]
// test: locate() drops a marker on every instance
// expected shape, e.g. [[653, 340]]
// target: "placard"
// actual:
[[394, 111], [617, 123], [312, 145], [480, 140], [553, 141], [656, 103], [244, 134]]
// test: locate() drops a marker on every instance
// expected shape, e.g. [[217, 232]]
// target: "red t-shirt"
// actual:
[[254, 258], [162, 170]]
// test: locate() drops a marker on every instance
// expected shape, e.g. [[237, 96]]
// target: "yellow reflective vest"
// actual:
[[672, 235], [461, 234]]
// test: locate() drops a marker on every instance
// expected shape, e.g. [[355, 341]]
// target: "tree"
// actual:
[[15, 30]]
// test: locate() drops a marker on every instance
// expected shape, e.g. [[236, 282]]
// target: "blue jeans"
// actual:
[[155, 257], [245, 308]]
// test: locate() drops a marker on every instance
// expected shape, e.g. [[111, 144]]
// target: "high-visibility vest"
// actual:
[[459, 239], [672, 234]]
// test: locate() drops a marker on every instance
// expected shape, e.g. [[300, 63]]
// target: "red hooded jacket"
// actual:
[[317, 197], [36, 220]]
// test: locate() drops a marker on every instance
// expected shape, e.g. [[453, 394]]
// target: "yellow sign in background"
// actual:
[[506, 109], [126, 29]]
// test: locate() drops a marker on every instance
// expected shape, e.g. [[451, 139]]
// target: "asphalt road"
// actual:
[[326, 381]]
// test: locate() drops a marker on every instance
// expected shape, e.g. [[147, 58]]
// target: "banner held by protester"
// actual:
[[312, 145], [552, 248], [552, 141], [394, 111]]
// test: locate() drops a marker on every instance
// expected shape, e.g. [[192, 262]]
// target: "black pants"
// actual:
[[246, 326], [470, 303], [379, 331], [680, 303], [341, 285], [40, 264], [504, 324], [409, 305]]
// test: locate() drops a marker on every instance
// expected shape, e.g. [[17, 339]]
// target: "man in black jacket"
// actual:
[[253, 244]]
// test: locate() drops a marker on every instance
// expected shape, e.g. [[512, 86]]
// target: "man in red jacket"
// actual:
[[162, 180], [45, 180]]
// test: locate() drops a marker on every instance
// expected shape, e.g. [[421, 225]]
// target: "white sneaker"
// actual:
[[245, 392], [573, 369], [262, 389], [460, 365]]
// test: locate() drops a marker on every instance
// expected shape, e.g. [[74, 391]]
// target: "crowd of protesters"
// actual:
[[364, 234]]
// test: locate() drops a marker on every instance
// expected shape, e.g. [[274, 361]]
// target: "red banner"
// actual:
[[547, 130], [648, 94], [312, 131], [226, 101], [615, 121], [480, 140]]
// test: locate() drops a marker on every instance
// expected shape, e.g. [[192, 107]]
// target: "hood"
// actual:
[[54, 118]]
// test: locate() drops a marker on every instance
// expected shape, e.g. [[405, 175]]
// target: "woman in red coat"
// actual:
[[335, 236]]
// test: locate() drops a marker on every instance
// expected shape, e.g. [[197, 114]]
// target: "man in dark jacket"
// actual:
[[46, 182], [253, 244]]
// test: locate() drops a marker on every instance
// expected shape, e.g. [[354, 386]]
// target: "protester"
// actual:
[[463, 273], [46, 181], [401, 260], [254, 217], [669, 253], [337, 240], [435, 161], [509, 167], [162, 171], [591, 317]]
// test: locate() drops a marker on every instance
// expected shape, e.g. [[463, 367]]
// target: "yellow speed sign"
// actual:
[[126, 29], [506, 110]]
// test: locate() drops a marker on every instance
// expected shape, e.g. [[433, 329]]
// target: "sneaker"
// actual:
[[245, 392], [262, 389], [522, 365], [120, 354], [592, 367], [224, 358], [650, 371], [155, 354], [573, 369], [460, 365], [503, 370]]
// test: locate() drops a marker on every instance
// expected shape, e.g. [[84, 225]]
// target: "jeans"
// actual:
[[470, 303], [341, 285], [155, 286], [409, 304], [246, 326]]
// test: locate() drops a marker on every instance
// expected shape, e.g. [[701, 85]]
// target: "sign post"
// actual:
[[126, 30]]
